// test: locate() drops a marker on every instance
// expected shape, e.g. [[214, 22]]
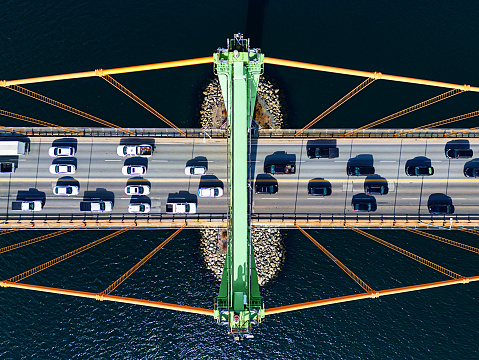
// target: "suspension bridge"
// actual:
[[235, 158]]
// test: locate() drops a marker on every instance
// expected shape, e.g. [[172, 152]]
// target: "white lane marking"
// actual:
[[391, 161], [22, 159], [409, 198], [436, 161], [340, 160], [269, 198], [112, 160]]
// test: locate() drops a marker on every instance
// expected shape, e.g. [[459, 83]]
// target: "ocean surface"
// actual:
[[428, 39]]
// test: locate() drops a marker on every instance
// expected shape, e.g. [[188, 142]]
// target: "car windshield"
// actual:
[[102, 206], [69, 190], [31, 206], [318, 191], [216, 192], [187, 207], [142, 208], [422, 170]]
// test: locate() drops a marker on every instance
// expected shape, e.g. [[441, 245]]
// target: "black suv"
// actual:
[[420, 170], [364, 205], [376, 188], [280, 169], [315, 152], [358, 170], [471, 172], [266, 189], [441, 208], [459, 153], [319, 190]]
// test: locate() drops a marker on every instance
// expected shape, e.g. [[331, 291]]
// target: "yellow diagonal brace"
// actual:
[[59, 105], [408, 110], [36, 121], [37, 239], [343, 267], [338, 103], [55, 261], [132, 96], [444, 122], [408, 254], [444, 240], [126, 275]]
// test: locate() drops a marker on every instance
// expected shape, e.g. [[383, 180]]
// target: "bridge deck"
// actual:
[[99, 175]]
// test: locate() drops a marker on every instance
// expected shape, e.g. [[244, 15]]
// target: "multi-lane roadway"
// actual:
[[99, 175]]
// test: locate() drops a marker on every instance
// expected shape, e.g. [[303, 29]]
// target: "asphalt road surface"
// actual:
[[99, 175]]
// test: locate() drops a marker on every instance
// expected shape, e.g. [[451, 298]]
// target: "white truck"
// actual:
[[135, 150], [12, 148], [35, 205], [96, 206], [181, 208]]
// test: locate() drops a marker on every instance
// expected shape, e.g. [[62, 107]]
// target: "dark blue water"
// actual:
[[430, 39]]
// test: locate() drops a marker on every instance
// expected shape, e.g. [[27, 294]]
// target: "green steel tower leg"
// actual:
[[239, 303]]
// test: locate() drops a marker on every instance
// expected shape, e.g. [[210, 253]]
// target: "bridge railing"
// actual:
[[222, 133], [283, 220]]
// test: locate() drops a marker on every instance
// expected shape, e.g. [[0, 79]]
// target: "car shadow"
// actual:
[[66, 142], [68, 181], [138, 181], [99, 193], [198, 161], [67, 160], [140, 199], [182, 196], [319, 182], [30, 195], [361, 160], [457, 144], [137, 160], [419, 161], [210, 181], [280, 157]]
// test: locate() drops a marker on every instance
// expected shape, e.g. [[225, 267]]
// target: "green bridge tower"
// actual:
[[239, 304]]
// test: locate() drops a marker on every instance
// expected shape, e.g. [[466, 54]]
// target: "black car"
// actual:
[[471, 172], [358, 170], [459, 153], [376, 188], [319, 190], [266, 189], [280, 169], [419, 170], [315, 152], [441, 208], [364, 205]]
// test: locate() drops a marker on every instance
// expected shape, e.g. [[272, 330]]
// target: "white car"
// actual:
[[133, 170], [55, 151], [143, 150], [139, 208], [137, 190], [195, 170], [181, 208], [67, 190], [215, 191], [62, 169]]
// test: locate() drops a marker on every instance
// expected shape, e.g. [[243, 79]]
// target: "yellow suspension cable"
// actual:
[[443, 122], [408, 110], [36, 121], [55, 261], [336, 70], [37, 239], [338, 103], [128, 93], [444, 240], [59, 105], [376, 294], [123, 70], [343, 267], [408, 254], [119, 299], [126, 275]]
